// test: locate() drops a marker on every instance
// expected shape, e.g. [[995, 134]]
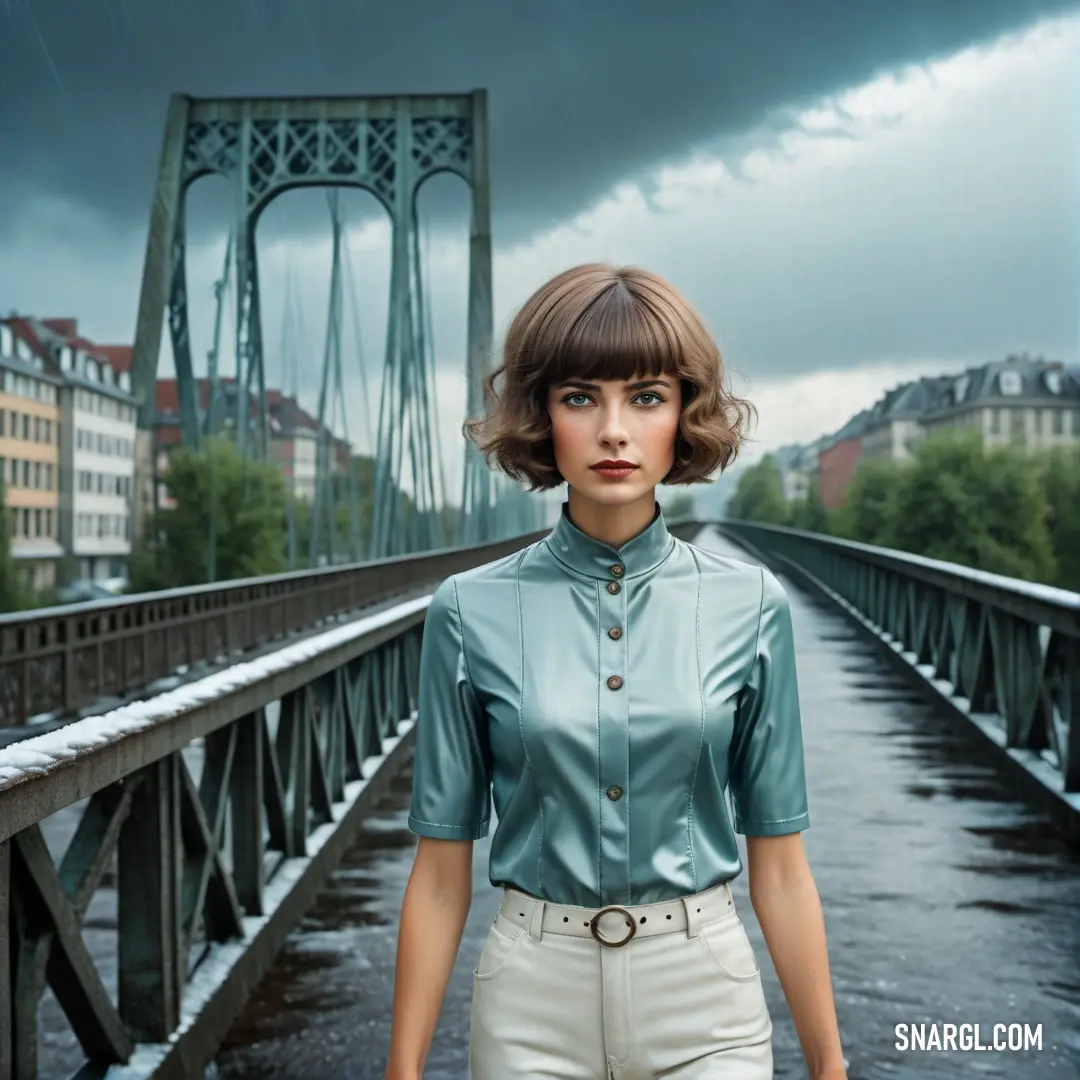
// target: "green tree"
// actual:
[[1061, 483], [869, 505], [250, 520], [14, 596], [985, 509], [809, 513], [759, 495]]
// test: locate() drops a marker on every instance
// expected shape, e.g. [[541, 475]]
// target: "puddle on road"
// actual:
[[316, 988]]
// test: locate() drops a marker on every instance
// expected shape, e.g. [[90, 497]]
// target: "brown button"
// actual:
[[617, 570], [613, 587], [614, 793], [614, 682], [614, 633]]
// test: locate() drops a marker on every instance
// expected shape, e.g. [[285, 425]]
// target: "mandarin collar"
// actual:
[[591, 557]]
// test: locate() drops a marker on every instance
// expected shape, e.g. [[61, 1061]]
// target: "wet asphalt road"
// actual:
[[946, 900]]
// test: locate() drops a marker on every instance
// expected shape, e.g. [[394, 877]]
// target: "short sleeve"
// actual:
[[451, 792], [768, 776]]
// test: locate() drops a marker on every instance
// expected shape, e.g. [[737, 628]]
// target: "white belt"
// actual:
[[612, 924]]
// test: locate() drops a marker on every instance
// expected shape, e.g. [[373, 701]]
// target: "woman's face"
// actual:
[[631, 423]]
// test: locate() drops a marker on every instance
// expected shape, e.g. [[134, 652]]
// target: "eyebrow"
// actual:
[[644, 384]]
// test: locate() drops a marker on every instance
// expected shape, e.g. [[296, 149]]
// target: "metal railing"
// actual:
[[1008, 648], [211, 814], [58, 661], [213, 811]]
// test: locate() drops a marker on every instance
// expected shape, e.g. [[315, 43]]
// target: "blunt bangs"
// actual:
[[619, 335]]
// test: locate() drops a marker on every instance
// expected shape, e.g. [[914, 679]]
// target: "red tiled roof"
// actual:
[[117, 355], [65, 327], [23, 327], [288, 413]]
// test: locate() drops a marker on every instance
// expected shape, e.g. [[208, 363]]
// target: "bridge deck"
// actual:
[[946, 900]]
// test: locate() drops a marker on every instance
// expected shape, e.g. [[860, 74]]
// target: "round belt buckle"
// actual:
[[594, 927]]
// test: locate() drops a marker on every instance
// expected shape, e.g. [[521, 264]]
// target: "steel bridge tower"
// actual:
[[264, 146]]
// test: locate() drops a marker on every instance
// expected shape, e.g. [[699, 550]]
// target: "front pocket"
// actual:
[[725, 943], [499, 945]]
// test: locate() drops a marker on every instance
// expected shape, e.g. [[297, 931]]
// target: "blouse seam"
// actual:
[[701, 734], [599, 751], [461, 632], [757, 636], [521, 723], [472, 688]]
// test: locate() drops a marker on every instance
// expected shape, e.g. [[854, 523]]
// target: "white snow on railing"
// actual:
[[1047, 594], [43, 753]]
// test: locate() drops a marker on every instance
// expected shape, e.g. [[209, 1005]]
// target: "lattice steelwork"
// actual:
[[386, 145], [198, 866], [1005, 650]]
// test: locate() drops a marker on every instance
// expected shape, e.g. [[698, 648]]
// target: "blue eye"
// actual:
[[570, 400], [651, 394]]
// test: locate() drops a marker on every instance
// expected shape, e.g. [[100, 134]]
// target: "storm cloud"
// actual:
[[582, 94]]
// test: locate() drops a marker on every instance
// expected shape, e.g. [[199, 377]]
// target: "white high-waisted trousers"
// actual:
[[682, 999]]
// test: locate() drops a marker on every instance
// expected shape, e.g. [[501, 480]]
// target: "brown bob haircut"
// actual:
[[598, 321]]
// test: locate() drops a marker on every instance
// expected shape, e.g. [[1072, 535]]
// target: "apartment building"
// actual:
[[294, 435], [798, 466], [838, 460], [99, 417], [96, 452], [894, 425], [1021, 401], [1027, 402], [30, 428]]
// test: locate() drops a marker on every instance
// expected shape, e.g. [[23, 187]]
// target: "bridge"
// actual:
[[202, 840], [202, 790]]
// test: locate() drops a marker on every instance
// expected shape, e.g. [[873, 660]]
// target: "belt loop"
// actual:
[[536, 920], [693, 918]]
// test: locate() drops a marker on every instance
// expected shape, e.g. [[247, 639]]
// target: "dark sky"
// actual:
[[583, 93]]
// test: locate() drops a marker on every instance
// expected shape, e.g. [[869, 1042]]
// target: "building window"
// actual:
[[1017, 426]]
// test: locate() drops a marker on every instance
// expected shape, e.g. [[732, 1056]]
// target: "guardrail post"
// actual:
[[149, 864], [246, 797], [1070, 714]]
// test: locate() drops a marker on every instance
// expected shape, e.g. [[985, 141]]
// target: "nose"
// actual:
[[613, 427]]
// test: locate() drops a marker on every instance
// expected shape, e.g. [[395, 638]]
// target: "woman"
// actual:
[[603, 688]]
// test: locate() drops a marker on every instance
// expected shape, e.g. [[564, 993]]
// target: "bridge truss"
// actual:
[[388, 146]]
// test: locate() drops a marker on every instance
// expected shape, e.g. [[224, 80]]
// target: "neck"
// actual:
[[611, 525]]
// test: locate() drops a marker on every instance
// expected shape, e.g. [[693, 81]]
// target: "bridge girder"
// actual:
[[387, 145]]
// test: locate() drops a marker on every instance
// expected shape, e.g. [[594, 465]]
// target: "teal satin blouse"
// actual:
[[605, 700]]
